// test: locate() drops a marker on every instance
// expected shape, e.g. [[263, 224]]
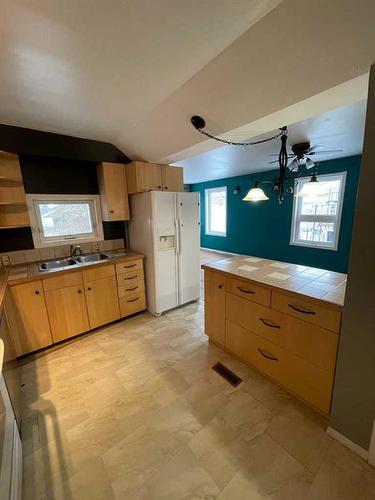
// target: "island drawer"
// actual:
[[130, 288], [248, 290], [129, 265], [132, 304], [302, 378], [306, 310], [130, 277], [310, 342]]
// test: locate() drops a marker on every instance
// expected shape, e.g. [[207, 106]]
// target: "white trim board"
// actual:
[[219, 251], [349, 444]]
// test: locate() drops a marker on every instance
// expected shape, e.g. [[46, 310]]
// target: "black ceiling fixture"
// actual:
[[301, 155]]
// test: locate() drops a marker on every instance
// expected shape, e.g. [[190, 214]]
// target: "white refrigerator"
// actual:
[[165, 227]]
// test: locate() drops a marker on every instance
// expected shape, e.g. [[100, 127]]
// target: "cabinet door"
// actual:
[[113, 191], [67, 312], [172, 178], [214, 306], [143, 177], [28, 319], [102, 301]]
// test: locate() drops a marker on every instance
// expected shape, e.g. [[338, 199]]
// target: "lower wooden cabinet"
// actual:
[[131, 304], [102, 301], [27, 316], [67, 312], [214, 306]]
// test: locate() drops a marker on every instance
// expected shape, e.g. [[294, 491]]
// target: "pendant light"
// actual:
[[312, 188], [256, 194]]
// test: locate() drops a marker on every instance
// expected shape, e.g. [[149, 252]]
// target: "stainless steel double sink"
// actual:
[[70, 261]]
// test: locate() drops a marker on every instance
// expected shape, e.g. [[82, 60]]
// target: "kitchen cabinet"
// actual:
[[214, 303], [67, 312], [131, 287], [113, 191], [143, 176], [172, 178], [28, 318], [291, 338], [102, 301]]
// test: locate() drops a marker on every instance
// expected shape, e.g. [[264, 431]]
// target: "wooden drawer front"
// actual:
[[249, 291], [128, 278], [131, 289], [306, 310], [97, 273], [132, 304], [300, 377], [68, 279], [130, 265], [312, 343]]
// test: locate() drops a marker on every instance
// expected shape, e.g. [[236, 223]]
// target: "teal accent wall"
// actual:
[[263, 228]]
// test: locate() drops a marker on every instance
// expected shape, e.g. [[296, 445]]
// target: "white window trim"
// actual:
[[207, 211], [35, 222], [318, 218]]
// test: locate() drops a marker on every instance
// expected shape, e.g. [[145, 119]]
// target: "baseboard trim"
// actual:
[[349, 444]]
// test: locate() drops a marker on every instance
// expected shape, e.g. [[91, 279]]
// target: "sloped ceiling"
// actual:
[[133, 72], [93, 68]]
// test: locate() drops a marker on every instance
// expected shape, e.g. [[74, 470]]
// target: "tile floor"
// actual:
[[134, 411]]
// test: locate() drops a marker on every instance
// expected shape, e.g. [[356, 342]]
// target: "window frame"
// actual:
[[40, 241], [297, 217], [207, 193]]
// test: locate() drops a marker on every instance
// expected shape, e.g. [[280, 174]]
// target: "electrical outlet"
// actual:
[[5, 260]]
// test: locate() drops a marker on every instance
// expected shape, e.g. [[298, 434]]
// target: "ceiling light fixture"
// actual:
[[312, 188], [256, 194]]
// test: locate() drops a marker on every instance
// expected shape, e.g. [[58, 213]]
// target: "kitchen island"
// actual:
[[283, 319]]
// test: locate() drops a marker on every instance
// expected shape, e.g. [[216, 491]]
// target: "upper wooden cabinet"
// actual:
[[113, 191], [13, 209], [27, 317], [172, 178], [144, 176]]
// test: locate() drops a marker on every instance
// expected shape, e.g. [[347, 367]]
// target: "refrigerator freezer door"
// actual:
[[188, 245], [164, 231]]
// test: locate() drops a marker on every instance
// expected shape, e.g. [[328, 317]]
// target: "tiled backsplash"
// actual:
[[25, 256]]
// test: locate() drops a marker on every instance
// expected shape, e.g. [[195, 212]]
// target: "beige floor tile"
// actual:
[[182, 478], [343, 475], [302, 432]]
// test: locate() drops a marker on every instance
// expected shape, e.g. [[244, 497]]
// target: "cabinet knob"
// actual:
[[165, 187], [159, 187], [79, 291], [36, 292], [111, 211], [220, 286], [89, 288]]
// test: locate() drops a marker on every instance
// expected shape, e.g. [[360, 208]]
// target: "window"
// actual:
[[57, 219], [316, 219], [216, 211]]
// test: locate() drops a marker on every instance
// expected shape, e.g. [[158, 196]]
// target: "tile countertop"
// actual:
[[320, 284], [29, 272]]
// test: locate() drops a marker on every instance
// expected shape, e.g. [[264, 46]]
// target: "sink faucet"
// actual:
[[75, 250]]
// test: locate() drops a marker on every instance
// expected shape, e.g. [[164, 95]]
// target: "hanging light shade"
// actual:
[[255, 194], [312, 188]]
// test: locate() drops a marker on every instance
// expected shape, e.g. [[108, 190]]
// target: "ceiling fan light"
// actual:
[[309, 163], [312, 188], [293, 165], [255, 194]]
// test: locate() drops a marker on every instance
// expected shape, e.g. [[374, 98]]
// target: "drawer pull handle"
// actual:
[[244, 290], [268, 356], [271, 325], [133, 300], [304, 311], [131, 277], [131, 289], [128, 267]]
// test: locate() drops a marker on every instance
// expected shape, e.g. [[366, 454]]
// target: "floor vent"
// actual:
[[229, 376]]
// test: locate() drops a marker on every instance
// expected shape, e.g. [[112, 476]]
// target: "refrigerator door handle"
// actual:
[[178, 236]]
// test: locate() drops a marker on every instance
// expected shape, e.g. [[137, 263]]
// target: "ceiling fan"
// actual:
[[301, 155]]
